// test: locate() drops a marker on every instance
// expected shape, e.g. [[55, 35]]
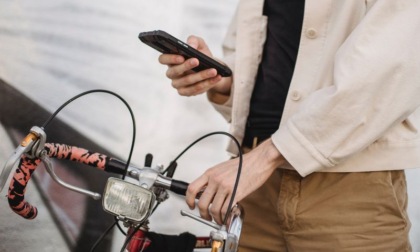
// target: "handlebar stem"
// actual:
[[149, 177]]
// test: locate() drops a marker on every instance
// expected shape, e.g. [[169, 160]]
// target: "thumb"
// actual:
[[199, 44], [193, 41]]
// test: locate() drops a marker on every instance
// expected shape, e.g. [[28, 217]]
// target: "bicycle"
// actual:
[[130, 203]]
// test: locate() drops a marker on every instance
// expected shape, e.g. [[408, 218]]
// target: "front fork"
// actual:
[[139, 242]]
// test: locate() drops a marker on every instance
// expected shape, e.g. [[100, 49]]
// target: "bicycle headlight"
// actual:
[[127, 201]]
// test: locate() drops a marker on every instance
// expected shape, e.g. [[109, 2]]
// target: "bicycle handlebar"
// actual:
[[27, 165], [22, 175]]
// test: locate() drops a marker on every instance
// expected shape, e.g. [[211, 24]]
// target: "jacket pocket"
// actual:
[[403, 133]]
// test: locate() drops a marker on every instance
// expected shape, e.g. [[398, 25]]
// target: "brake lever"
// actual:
[[48, 166], [31, 145]]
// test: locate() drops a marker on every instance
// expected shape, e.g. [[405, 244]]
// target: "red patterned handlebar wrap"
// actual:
[[22, 175]]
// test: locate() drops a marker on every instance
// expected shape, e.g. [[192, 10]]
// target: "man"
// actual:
[[324, 98]]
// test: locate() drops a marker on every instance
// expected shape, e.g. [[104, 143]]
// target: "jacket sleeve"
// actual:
[[229, 50], [376, 86]]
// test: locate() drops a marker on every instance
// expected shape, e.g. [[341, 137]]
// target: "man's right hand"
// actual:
[[190, 83]]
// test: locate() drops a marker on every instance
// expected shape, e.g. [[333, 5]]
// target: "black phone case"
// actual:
[[166, 43]]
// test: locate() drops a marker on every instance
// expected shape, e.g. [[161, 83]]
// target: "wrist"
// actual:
[[220, 93], [272, 154], [216, 97]]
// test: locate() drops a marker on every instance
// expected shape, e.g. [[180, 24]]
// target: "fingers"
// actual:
[[184, 80], [194, 188], [176, 71], [214, 201], [198, 83], [216, 209], [212, 204], [199, 44], [180, 70], [194, 41], [171, 59], [205, 201]]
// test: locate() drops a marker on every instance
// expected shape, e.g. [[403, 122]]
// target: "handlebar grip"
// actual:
[[76, 154], [115, 166], [17, 188], [22, 175], [179, 187]]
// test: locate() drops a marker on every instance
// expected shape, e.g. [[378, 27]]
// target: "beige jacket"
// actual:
[[353, 103]]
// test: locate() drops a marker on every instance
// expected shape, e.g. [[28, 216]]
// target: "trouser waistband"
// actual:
[[254, 141]]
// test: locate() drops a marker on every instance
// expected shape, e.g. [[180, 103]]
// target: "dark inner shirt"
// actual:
[[285, 18]]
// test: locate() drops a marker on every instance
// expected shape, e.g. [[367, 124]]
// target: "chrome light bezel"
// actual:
[[127, 201]]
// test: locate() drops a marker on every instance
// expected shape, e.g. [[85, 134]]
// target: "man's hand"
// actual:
[[219, 180], [188, 82]]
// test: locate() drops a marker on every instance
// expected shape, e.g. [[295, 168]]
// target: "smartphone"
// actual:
[[166, 43]]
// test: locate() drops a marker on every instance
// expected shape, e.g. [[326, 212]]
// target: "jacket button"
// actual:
[[295, 95], [311, 33]]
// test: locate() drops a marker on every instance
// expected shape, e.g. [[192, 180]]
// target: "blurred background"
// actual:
[[51, 51]]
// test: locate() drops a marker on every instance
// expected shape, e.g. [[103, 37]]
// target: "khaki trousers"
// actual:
[[328, 212]]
